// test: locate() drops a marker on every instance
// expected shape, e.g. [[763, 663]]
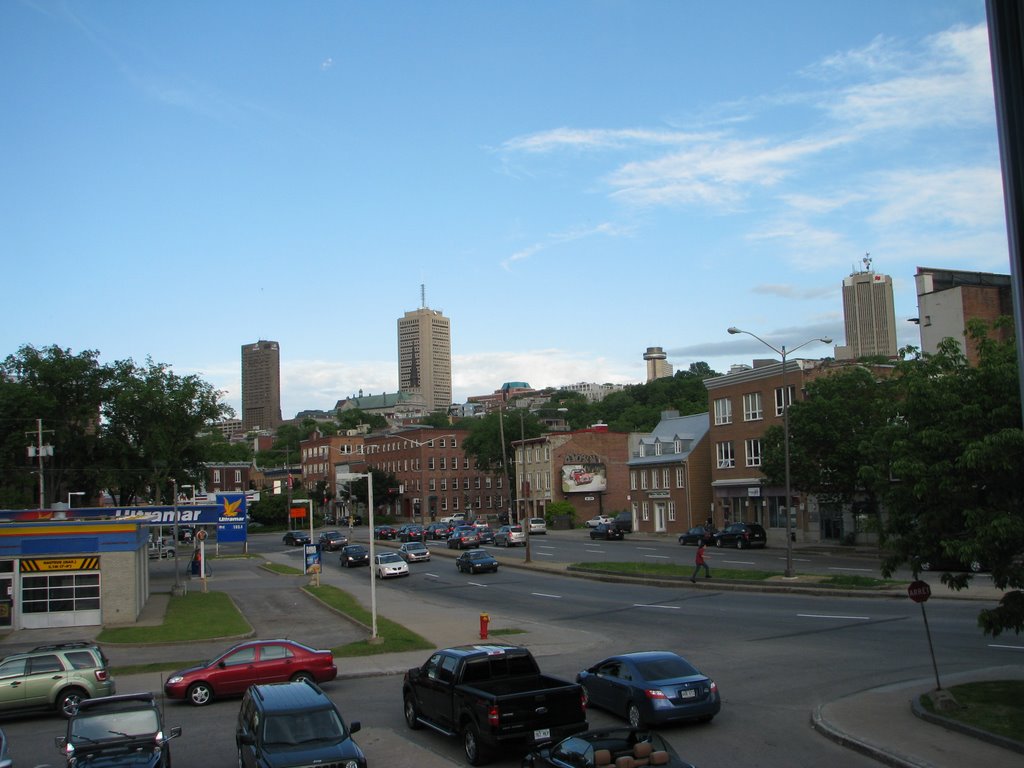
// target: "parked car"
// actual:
[[696, 535], [244, 664], [411, 532], [331, 541], [476, 561], [124, 730], [604, 748], [294, 724], [596, 520], [741, 536], [414, 552], [485, 533], [389, 565], [606, 531], [296, 538], [537, 525], [54, 677], [624, 521], [463, 537], [354, 554], [162, 547], [941, 562], [651, 688], [510, 536], [385, 532], [439, 531]]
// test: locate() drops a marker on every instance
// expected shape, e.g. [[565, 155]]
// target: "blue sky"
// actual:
[[571, 181]]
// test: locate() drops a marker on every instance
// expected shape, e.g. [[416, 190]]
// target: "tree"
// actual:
[[950, 453], [63, 392], [216, 448], [354, 418], [832, 438], [151, 420], [484, 442]]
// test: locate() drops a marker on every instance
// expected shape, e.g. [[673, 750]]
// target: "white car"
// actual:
[[537, 525], [390, 564], [597, 520]]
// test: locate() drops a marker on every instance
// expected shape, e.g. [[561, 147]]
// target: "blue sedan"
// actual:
[[651, 688]]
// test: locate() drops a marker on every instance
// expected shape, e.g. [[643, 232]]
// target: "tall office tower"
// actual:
[[947, 299], [870, 315], [658, 366], [425, 357], [261, 385]]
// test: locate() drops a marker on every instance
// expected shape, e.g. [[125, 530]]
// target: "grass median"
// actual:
[[675, 572], [201, 616], [995, 706]]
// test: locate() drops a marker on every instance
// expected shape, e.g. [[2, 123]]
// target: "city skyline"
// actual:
[[573, 182]]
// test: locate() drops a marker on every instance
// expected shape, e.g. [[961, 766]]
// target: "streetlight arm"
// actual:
[[734, 330]]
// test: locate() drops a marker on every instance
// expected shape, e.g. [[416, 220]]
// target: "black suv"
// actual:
[[286, 725], [118, 730], [741, 535], [623, 522]]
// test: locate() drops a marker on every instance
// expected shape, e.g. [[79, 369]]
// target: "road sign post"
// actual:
[[919, 592]]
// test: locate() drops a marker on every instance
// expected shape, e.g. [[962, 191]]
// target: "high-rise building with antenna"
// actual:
[[869, 313], [425, 355]]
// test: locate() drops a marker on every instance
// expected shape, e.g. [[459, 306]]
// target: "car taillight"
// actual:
[[101, 675], [584, 702], [655, 693], [714, 686], [493, 716]]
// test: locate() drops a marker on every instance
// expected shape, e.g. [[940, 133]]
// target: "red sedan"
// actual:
[[248, 663]]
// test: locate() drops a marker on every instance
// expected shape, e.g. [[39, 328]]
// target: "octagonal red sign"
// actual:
[[919, 591]]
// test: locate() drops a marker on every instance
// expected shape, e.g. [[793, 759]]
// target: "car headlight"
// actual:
[[174, 679]]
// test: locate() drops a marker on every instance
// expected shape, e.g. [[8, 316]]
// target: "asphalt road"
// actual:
[[775, 657]]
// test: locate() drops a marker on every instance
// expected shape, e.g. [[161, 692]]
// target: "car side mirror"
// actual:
[[246, 738], [354, 726]]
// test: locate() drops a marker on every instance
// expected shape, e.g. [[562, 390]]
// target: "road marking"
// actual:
[[739, 562], [544, 554], [646, 548], [476, 584], [827, 616], [1007, 647], [659, 557], [649, 605], [865, 570], [544, 594], [797, 559]]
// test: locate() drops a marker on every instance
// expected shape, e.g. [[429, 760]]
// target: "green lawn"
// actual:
[[995, 706]]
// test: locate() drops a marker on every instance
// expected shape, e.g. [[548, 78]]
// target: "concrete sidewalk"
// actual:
[[877, 722]]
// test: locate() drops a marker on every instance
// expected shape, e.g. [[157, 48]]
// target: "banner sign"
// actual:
[[42, 564]]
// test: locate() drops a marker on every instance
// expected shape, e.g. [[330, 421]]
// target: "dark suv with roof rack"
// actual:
[[292, 725], [57, 677]]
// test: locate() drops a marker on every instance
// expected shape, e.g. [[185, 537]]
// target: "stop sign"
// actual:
[[919, 591]]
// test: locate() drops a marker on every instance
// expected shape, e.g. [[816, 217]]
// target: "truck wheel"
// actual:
[[471, 745], [411, 715]]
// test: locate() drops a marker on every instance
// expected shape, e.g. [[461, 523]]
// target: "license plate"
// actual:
[[688, 694], [542, 734]]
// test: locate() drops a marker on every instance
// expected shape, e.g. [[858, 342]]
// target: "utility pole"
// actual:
[[39, 451]]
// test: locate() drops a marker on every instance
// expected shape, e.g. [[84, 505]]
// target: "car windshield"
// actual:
[[390, 557], [665, 668], [477, 554], [89, 729], [415, 547], [358, 550], [289, 729]]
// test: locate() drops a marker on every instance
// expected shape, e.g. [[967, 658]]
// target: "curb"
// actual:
[[968, 730], [843, 739]]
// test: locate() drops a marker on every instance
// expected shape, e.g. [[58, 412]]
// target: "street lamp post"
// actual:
[[785, 434]]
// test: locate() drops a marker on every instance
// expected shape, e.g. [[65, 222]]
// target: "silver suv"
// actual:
[[56, 677]]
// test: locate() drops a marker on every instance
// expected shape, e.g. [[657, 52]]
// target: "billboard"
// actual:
[[584, 478]]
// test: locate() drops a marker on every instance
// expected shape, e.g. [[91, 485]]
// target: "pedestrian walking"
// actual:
[[700, 563]]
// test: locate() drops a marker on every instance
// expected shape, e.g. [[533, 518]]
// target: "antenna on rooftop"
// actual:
[[867, 262], [423, 295]]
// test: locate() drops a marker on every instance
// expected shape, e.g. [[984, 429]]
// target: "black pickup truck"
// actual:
[[491, 696]]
